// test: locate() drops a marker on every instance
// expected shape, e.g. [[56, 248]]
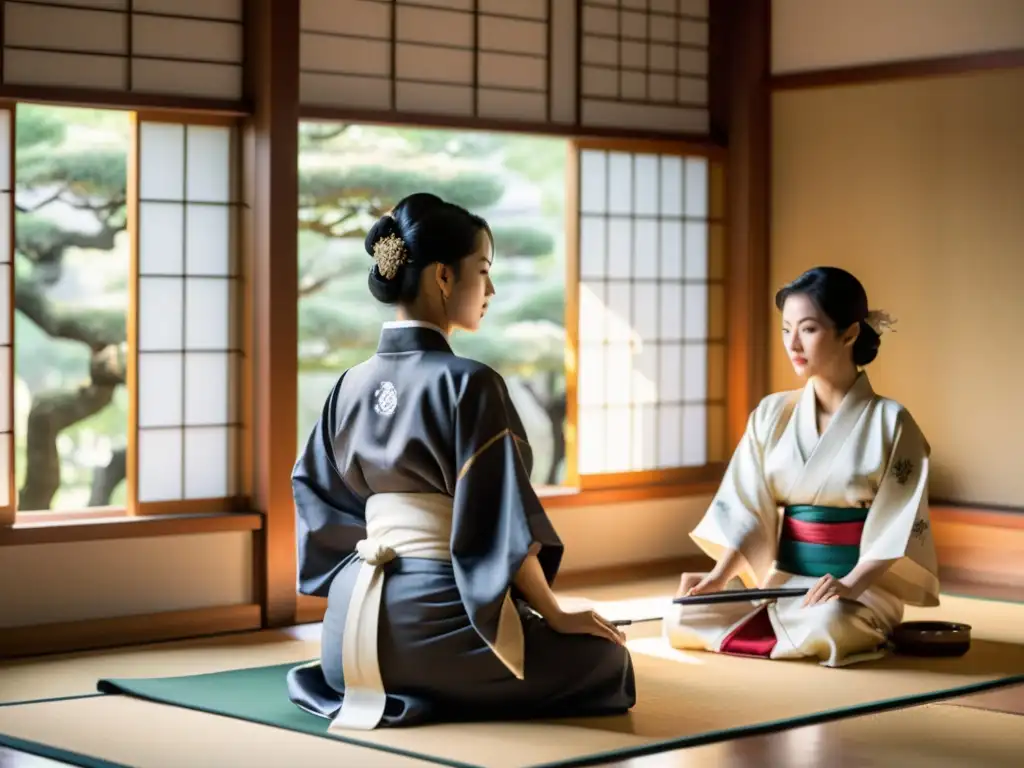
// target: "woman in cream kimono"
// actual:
[[827, 490]]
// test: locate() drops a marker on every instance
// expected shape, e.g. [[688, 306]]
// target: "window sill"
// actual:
[[39, 528], [119, 526], [555, 497]]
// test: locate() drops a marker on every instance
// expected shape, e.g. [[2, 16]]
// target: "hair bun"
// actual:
[[388, 249], [383, 227], [420, 230], [865, 348]]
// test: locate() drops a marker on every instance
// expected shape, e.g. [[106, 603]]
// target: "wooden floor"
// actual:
[[844, 743]]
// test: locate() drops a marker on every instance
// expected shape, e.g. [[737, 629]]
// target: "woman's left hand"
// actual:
[[827, 589]]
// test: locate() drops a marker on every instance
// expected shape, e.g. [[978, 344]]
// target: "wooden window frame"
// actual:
[[237, 307], [9, 512], [182, 515], [683, 481], [607, 488]]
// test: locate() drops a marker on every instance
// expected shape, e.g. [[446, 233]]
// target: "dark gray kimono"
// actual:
[[441, 411]]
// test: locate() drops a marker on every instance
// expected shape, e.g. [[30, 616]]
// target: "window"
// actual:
[[650, 377], [121, 387], [71, 266], [349, 175], [187, 374], [633, 256]]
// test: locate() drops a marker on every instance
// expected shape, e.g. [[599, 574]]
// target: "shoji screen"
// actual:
[[650, 381], [187, 385]]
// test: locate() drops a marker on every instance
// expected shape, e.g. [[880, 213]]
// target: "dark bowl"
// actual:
[[932, 638]]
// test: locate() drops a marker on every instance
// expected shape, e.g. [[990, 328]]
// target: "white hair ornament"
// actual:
[[879, 321]]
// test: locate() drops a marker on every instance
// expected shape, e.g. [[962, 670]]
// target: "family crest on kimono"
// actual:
[[418, 522], [827, 490]]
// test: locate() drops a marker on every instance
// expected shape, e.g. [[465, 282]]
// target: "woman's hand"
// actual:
[[699, 584], [827, 589], [585, 623], [729, 565]]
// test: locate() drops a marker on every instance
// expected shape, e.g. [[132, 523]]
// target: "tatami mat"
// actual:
[[126, 732], [926, 736], [685, 699], [933, 736]]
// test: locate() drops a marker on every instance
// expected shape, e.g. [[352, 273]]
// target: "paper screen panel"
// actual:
[[651, 332], [175, 47], [188, 383], [644, 64], [464, 58], [7, 487]]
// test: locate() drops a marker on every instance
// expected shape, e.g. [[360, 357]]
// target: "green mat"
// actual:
[[257, 694], [260, 695]]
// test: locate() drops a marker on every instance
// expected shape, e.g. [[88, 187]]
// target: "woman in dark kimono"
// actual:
[[417, 520]]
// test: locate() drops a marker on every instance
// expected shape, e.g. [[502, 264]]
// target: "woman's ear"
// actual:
[[443, 277], [851, 334]]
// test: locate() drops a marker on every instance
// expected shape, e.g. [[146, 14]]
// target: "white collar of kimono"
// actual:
[[818, 452], [849, 410], [414, 324]]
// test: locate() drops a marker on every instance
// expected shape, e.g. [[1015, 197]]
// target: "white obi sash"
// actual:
[[400, 525]]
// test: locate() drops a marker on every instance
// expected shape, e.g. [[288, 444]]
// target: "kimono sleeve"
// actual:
[[497, 519], [330, 518], [898, 527], [744, 514]]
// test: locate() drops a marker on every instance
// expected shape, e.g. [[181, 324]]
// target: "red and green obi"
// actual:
[[815, 541], [820, 540]]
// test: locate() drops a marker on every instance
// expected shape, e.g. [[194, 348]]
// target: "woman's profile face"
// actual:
[[810, 339], [469, 295]]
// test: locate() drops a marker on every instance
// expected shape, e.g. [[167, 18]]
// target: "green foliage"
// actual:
[[98, 173], [401, 141], [350, 175], [35, 235], [465, 144], [514, 354], [546, 303], [37, 127], [52, 358], [71, 181], [378, 188], [338, 324], [522, 241]]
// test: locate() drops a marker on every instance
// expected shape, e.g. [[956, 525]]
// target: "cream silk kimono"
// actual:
[[797, 507]]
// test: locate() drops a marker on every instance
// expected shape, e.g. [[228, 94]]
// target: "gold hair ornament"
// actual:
[[879, 321], [390, 254]]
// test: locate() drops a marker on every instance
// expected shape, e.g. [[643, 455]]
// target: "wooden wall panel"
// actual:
[[604, 65], [812, 35], [927, 215], [187, 48]]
